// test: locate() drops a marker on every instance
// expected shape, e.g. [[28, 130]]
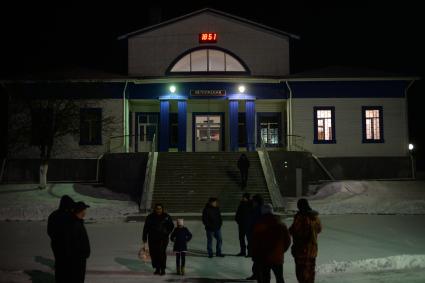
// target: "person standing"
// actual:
[[180, 236], [270, 240], [254, 216], [58, 226], [156, 231], [211, 218], [242, 218], [304, 231], [243, 165], [79, 248]]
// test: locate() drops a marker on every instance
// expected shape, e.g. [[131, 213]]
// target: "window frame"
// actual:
[[381, 124], [315, 123], [208, 47], [98, 140]]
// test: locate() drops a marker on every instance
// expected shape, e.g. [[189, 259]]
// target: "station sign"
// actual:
[[207, 92]]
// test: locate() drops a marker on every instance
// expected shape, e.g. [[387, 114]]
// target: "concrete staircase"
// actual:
[[185, 180]]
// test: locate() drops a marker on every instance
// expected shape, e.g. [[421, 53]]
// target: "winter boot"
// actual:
[[178, 270], [182, 271]]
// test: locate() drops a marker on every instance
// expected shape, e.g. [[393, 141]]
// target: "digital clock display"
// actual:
[[208, 37]]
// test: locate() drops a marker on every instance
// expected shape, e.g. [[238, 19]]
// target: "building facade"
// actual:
[[210, 81]]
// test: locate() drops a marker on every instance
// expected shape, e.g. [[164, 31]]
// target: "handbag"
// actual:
[[144, 254]]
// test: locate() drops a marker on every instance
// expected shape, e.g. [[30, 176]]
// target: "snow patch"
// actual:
[[399, 262]]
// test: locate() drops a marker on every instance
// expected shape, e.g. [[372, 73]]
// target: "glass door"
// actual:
[[207, 132], [147, 128]]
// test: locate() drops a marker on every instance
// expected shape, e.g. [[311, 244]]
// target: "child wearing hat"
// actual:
[[180, 236]]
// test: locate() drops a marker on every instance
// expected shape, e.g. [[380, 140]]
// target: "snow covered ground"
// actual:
[[27, 202], [358, 243], [368, 197]]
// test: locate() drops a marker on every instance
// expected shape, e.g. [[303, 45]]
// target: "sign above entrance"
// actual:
[[207, 92], [208, 37]]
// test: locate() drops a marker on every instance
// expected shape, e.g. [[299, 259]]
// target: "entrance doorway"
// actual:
[[208, 132], [147, 128]]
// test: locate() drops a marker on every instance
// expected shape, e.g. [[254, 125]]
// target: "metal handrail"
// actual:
[[272, 184], [146, 197]]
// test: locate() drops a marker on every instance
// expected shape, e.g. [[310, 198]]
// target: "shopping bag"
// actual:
[[144, 253]]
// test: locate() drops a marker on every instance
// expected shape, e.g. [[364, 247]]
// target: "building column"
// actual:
[[164, 125], [182, 117], [250, 124], [233, 124]]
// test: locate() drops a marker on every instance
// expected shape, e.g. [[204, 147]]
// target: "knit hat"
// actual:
[[180, 222], [303, 205]]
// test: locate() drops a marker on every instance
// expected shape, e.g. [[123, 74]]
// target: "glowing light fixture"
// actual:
[[411, 147], [172, 89], [241, 88]]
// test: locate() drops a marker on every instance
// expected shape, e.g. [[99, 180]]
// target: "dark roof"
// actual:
[[341, 72], [210, 11], [68, 73]]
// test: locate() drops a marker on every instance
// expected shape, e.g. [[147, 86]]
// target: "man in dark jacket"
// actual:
[[254, 216], [242, 218], [304, 231], [270, 240], [243, 165], [211, 217], [58, 227], [79, 247], [156, 231]]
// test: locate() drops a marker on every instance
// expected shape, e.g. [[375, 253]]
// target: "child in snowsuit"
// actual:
[[180, 236]]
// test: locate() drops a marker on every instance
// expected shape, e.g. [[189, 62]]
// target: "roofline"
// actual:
[[212, 79], [220, 13], [352, 79]]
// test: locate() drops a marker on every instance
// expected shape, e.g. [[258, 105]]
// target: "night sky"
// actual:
[[382, 35]]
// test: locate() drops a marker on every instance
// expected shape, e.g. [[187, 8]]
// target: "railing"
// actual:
[[295, 143], [145, 202], [116, 144], [268, 170]]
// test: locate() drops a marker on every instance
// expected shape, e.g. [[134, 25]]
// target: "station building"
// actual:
[[209, 81]]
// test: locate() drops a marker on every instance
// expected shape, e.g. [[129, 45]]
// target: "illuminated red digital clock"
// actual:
[[208, 37]]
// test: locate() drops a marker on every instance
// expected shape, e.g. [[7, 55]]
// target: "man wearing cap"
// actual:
[[79, 248]]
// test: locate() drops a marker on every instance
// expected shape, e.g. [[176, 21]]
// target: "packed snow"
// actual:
[[373, 231], [367, 197], [27, 202]]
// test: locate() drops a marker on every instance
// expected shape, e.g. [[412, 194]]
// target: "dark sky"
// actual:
[[384, 35]]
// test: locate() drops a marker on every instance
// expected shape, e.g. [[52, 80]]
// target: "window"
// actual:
[[208, 60], [372, 124], [324, 125], [41, 126], [242, 130], [269, 126], [90, 126]]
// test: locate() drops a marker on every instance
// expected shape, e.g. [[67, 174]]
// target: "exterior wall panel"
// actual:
[[151, 53], [348, 126]]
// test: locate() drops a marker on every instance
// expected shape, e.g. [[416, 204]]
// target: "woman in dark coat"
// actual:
[[156, 231], [180, 236]]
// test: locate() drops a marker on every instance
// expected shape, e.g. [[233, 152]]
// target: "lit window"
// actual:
[[372, 124], [208, 60], [324, 131]]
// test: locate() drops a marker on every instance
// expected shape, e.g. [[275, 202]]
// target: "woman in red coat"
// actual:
[[270, 241]]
